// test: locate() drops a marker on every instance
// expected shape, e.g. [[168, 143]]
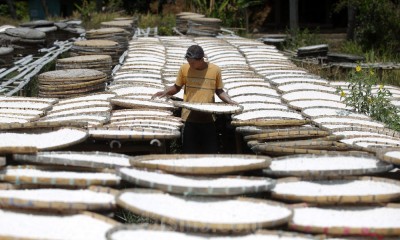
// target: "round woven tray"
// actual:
[[216, 108], [71, 75], [327, 165], [153, 231], [59, 200], [54, 177], [391, 155], [25, 225], [307, 103], [142, 103], [129, 133], [80, 159], [290, 133], [315, 112], [190, 185], [42, 140], [139, 112], [39, 124], [344, 190], [205, 214], [354, 220], [104, 96], [267, 114], [270, 122], [299, 147], [201, 164]]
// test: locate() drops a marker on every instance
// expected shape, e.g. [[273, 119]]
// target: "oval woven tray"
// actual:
[[79, 159], [205, 214], [345, 190], [391, 155], [129, 133], [57, 200], [290, 133], [327, 165], [55, 177], [271, 122], [142, 103], [348, 220], [216, 108], [25, 225], [201, 163], [191, 185]]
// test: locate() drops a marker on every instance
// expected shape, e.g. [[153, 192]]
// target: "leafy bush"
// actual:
[[301, 38], [361, 98]]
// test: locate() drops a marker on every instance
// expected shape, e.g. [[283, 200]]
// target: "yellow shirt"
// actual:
[[200, 86]]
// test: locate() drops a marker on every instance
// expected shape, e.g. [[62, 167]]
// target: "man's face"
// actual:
[[196, 63]]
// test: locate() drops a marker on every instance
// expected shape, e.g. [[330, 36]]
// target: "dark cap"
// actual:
[[194, 51]]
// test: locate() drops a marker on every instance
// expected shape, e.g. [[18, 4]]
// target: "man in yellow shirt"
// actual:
[[200, 80]]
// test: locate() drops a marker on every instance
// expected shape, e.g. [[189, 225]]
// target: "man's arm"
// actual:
[[172, 90], [224, 96]]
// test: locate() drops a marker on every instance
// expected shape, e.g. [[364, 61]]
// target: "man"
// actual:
[[200, 80]]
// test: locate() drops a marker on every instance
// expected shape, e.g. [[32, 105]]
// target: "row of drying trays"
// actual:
[[131, 93]]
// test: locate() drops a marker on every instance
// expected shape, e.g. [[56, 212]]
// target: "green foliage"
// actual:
[[363, 98], [22, 10], [301, 38], [377, 23], [114, 5], [86, 10], [164, 23], [131, 218]]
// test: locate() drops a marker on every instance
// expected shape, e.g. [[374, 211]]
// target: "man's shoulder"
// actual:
[[214, 67]]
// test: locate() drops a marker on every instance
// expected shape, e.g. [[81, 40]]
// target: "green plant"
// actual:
[[86, 10], [363, 98], [126, 216], [301, 38]]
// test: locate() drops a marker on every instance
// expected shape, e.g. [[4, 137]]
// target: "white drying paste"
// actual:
[[23, 225], [143, 234], [205, 162], [323, 163], [368, 217], [60, 195], [336, 188], [206, 210], [190, 182], [95, 158]]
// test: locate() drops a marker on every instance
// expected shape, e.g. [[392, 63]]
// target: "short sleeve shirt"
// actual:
[[199, 87]]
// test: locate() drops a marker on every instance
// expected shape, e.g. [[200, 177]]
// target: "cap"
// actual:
[[194, 51]]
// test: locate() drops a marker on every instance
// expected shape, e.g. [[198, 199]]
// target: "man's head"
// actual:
[[194, 52]]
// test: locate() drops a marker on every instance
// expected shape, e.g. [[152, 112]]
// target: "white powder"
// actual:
[[357, 133], [211, 107], [305, 94], [12, 120], [102, 96], [75, 105], [252, 89], [148, 234], [342, 119], [45, 140], [381, 138], [133, 133], [367, 217], [336, 188], [323, 163], [60, 195], [261, 105], [393, 154], [38, 226], [268, 114], [89, 158], [35, 173], [324, 111], [17, 111], [89, 110], [190, 182], [139, 112], [297, 86], [205, 162], [25, 105], [206, 210], [255, 98], [284, 80]]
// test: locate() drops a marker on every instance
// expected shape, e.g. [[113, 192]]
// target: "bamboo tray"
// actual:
[[314, 112], [104, 96], [345, 190], [79, 159], [391, 155], [139, 112], [267, 114], [43, 140], [55, 177], [328, 165], [205, 214], [201, 164], [153, 231], [59, 200], [42, 124], [30, 225], [270, 122], [191, 185], [373, 221], [3, 161], [129, 133], [290, 133], [216, 108], [307, 103], [142, 103]]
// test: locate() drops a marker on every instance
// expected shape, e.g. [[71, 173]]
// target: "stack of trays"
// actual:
[[183, 18], [101, 63], [127, 25], [71, 82], [313, 51], [114, 34], [204, 26], [96, 47], [25, 41], [6, 56]]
